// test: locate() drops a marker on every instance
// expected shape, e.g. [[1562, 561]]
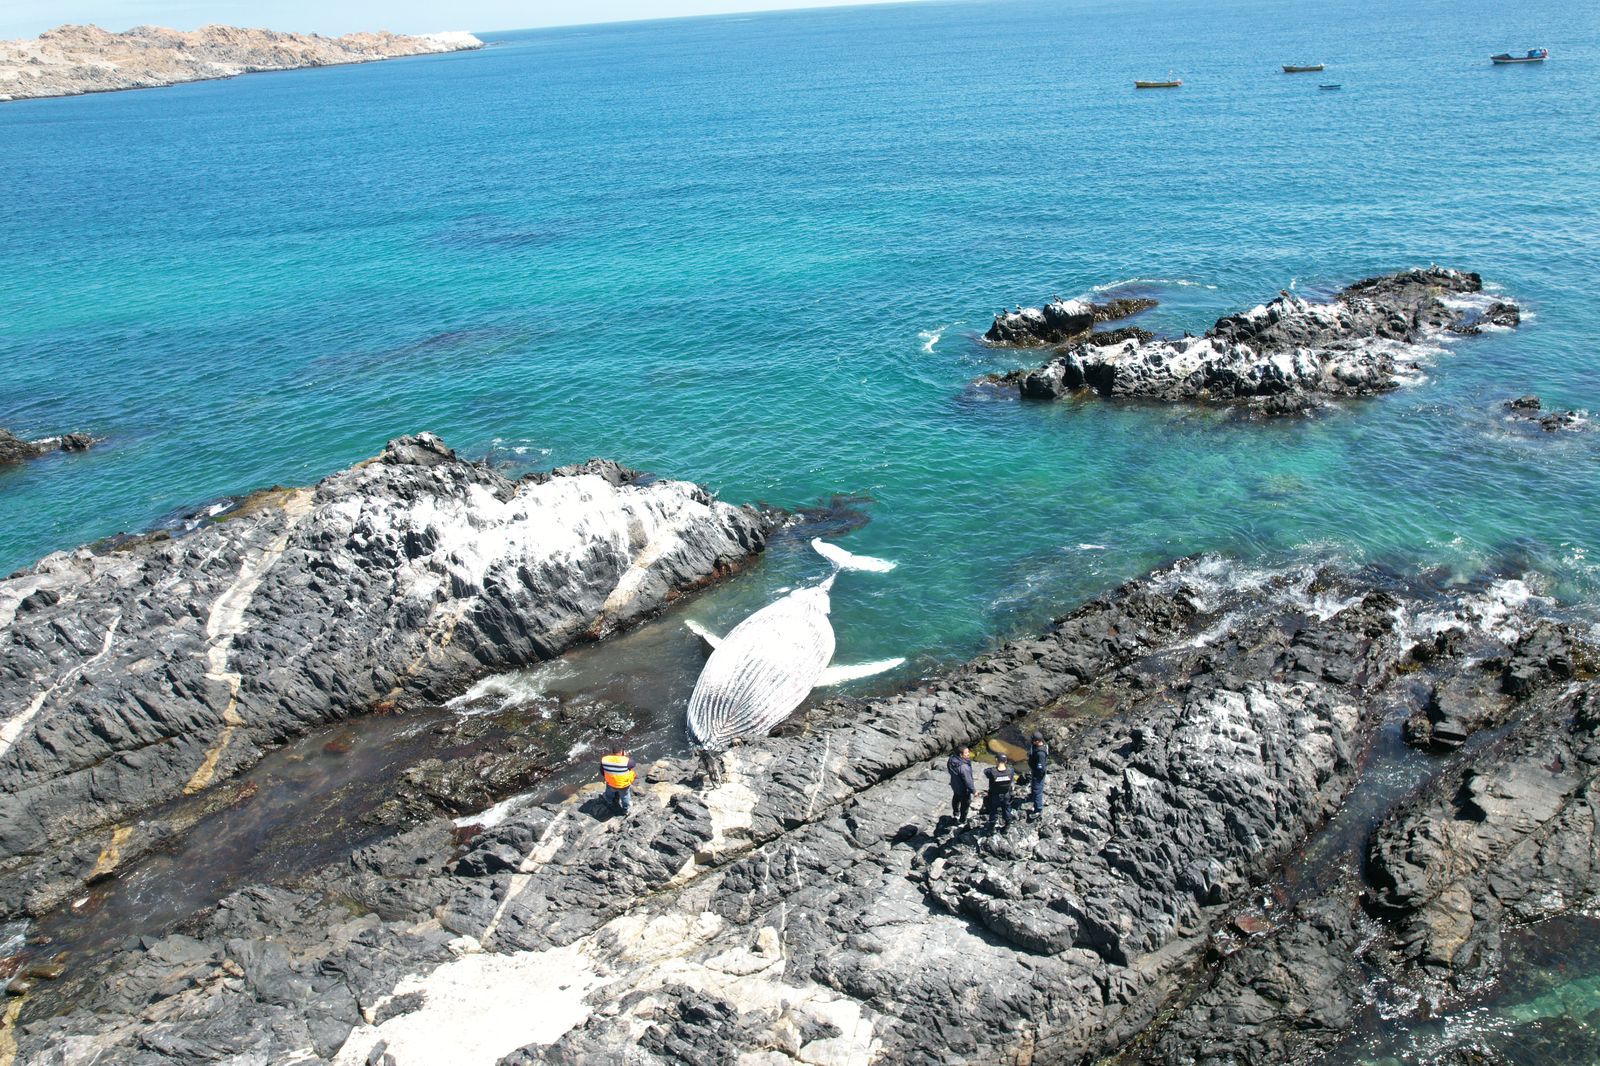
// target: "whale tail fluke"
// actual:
[[843, 560], [708, 638]]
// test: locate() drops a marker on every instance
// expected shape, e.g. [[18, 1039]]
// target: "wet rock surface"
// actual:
[[14, 449], [819, 904], [161, 666], [1284, 356], [1531, 410], [1060, 321], [1501, 839]]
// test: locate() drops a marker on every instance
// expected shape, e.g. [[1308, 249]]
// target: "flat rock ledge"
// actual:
[[1285, 356], [72, 60], [134, 675], [820, 906]]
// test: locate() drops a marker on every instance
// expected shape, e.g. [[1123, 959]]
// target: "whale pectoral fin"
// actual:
[[710, 639], [838, 675], [844, 560]]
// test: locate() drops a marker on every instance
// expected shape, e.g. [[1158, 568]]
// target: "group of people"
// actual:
[[1002, 778], [618, 770]]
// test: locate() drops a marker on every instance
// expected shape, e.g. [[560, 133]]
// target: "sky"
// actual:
[[27, 18]]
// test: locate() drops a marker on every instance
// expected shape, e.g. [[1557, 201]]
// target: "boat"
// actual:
[[1309, 68], [1171, 84], [1535, 55], [1335, 85]]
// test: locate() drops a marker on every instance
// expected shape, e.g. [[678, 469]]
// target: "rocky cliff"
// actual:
[[72, 60], [158, 666]]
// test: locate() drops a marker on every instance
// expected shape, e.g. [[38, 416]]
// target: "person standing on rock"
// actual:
[[618, 771], [1038, 763], [1001, 778], [961, 786]]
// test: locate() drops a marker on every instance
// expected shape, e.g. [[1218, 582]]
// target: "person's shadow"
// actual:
[[599, 808]]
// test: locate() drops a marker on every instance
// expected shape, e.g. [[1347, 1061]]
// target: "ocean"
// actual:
[[758, 252]]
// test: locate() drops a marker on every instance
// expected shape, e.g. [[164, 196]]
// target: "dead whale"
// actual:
[[767, 664]]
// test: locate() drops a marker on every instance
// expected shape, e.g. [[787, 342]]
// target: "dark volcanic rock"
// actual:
[[1104, 338], [1530, 409], [1060, 321], [819, 903], [14, 449], [1283, 355], [1124, 307], [1057, 321], [165, 665], [1503, 836], [1296, 990]]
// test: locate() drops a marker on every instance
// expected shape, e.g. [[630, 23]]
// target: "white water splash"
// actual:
[[1500, 610], [515, 688], [1181, 283]]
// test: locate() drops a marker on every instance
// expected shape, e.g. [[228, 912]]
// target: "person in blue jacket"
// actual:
[[961, 786], [1038, 756]]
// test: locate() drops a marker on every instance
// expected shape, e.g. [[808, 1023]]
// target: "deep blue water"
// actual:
[[756, 252]]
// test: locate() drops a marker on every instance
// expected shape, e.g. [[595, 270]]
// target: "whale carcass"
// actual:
[[767, 664]]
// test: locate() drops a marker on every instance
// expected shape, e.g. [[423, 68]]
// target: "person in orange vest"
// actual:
[[617, 769]]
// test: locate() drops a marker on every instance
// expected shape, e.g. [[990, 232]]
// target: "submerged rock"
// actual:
[[1531, 409], [820, 903], [1283, 355], [163, 665]]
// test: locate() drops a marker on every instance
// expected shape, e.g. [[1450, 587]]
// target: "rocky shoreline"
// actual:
[[1281, 357], [819, 906], [73, 60], [159, 667]]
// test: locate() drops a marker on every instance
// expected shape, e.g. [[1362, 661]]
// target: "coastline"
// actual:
[[819, 901], [308, 774], [82, 60]]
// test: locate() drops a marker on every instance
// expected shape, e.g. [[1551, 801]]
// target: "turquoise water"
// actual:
[[756, 252]]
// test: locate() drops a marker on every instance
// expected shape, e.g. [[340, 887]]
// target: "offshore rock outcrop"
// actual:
[[163, 665], [14, 449], [1288, 354], [1531, 409], [1060, 321], [72, 60], [818, 905]]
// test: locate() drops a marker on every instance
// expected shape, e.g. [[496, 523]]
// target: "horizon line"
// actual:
[[800, 6]]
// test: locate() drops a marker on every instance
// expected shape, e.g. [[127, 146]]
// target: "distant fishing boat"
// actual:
[[1335, 85], [1171, 83], [1535, 55], [1309, 68]]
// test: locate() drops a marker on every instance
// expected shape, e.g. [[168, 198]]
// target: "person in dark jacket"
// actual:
[[1038, 762], [961, 786], [998, 800]]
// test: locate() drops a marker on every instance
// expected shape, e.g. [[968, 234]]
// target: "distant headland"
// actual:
[[71, 60]]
